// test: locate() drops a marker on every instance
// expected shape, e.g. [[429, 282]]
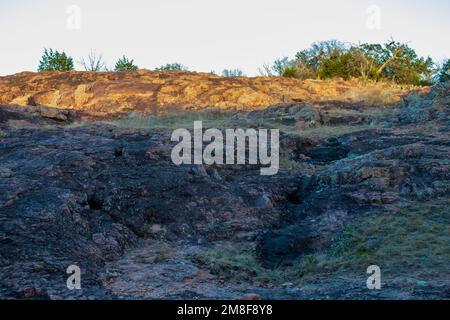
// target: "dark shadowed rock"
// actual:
[[111, 201], [85, 195], [388, 176]]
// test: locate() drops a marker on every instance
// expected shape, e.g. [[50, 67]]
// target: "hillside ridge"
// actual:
[[151, 92]]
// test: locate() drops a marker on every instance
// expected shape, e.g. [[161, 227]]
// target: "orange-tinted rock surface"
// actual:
[[100, 94]]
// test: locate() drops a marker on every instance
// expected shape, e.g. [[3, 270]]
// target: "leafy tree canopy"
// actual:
[[52, 60], [444, 74], [393, 61]]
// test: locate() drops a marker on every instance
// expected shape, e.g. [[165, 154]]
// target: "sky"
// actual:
[[211, 35]]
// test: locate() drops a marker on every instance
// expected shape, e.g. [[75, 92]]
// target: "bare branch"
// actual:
[[93, 62]]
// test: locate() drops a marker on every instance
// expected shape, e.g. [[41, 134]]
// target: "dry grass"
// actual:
[[377, 95], [358, 90], [229, 120]]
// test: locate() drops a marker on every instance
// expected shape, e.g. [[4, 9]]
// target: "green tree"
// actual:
[[124, 64], [367, 59], [401, 64], [280, 66], [339, 65], [53, 60], [309, 61], [392, 61], [172, 67], [444, 75]]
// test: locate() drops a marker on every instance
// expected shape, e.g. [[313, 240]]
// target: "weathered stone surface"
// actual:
[[85, 195], [384, 171], [111, 201], [101, 94], [426, 107]]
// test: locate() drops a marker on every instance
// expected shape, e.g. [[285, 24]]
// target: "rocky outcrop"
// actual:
[[111, 201], [102, 94], [38, 113], [84, 195], [366, 171], [428, 107]]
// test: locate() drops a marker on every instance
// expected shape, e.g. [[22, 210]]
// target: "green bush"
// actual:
[[232, 73], [172, 67], [444, 75], [52, 60], [124, 64], [340, 66], [290, 72]]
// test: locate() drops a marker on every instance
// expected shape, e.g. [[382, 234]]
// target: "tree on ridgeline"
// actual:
[[172, 67], [230, 73], [53, 60], [444, 74], [280, 65], [392, 61], [124, 64]]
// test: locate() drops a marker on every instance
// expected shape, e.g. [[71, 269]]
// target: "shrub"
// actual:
[[172, 67], [339, 66], [52, 60], [232, 73], [125, 65], [444, 75], [311, 60], [290, 72]]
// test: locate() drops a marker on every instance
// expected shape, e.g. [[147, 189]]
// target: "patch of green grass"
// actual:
[[413, 239], [238, 265]]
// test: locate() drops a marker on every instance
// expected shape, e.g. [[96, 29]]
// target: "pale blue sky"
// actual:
[[210, 35]]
